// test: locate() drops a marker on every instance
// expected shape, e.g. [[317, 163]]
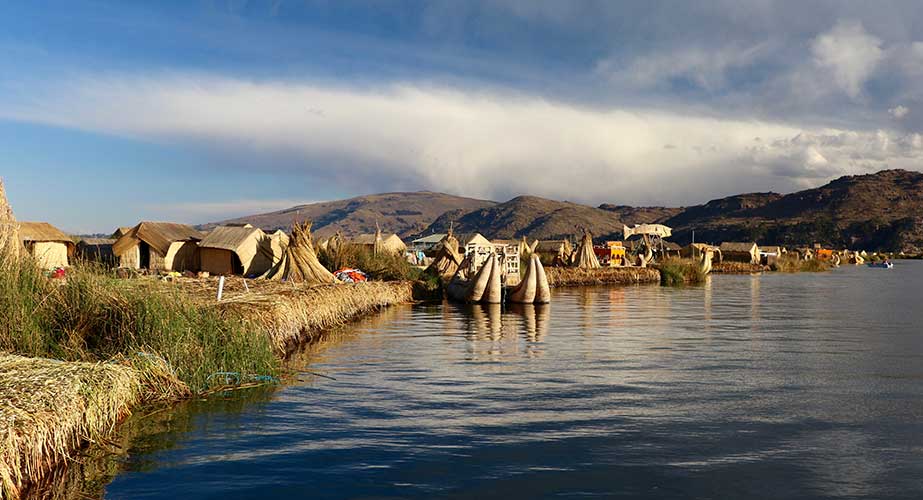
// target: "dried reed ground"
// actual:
[[50, 407], [569, 276]]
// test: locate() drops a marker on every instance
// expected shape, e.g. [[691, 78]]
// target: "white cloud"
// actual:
[[899, 111], [849, 53], [473, 142]]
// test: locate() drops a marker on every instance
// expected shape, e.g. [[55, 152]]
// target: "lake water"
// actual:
[[772, 386]]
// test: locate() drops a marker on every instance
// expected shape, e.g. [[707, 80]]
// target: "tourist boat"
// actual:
[[884, 265]]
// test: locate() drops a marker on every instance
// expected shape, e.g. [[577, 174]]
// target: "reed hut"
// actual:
[[695, 250], [159, 246], [48, 245], [747, 252], [473, 241], [238, 250], [299, 262], [96, 250], [9, 230], [556, 252], [585, 257], [387, 243]]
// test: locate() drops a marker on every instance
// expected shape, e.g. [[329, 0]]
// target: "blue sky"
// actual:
[[113, 112]]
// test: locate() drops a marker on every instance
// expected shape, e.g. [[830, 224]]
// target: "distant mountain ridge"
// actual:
[[880, 211], [402, 213]]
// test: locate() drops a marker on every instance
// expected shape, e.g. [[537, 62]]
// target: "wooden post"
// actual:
[[220, 288]]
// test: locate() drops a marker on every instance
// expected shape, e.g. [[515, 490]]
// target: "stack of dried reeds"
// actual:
[[50, 407], [299, 264], [9, 229], [585, 258], [447, 258]]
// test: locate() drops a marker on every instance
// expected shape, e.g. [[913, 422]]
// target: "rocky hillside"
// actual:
[[401, 213], [545, 219], [881, 211]]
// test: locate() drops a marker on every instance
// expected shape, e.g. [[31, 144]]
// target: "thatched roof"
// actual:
[[671, 246], [159, 235], [96, 241], [734, 246], [42, 231], [230, 237]]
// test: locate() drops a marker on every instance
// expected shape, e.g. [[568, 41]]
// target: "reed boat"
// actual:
[[485, 285], [883, 265]]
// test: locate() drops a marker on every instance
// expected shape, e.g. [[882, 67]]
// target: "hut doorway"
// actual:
[[145, 258]]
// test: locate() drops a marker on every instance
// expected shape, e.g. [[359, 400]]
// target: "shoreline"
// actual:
[[37, 436]]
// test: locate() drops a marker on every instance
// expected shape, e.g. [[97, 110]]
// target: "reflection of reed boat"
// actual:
[[883, 265], [485, 284]]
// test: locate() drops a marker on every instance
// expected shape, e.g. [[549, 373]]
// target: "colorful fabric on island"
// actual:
[[348, 275]]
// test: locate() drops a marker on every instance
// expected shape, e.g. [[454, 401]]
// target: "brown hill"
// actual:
[[401, 213], [880, 211], [544, 219]]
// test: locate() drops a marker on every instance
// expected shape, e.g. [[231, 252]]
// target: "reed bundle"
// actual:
[[50, 407], [731, 267], [571, 276]]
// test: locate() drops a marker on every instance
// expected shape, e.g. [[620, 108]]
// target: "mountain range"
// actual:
[[880, 211]]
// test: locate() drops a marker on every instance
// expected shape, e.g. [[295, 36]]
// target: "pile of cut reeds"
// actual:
[[50, 408], [289, 316], [569, 276]]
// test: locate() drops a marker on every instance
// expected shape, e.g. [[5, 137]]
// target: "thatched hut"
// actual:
[[555, 252], [695, 250], [9, 230], [387, 243], [747, 252], [241, 250], [162, 246], [49, 246], [96, 250]]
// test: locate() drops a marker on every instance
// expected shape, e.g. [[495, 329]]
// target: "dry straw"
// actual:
[[571, 276], [50, 407]]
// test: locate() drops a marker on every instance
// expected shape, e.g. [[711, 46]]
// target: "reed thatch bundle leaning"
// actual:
[[9, 229], [447, 258], [585, 258], [300, 264]]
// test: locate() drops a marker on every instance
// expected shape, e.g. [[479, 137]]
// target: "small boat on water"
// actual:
[[883, 265]]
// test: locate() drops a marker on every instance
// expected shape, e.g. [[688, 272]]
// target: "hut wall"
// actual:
[[49, 254], [217, 261], [181, 256], [739, 257], [96, 253], [131, 258]]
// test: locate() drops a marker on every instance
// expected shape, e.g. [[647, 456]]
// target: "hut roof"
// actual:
[[431, 238], [42, 231], [671, 246], [230, 237], [734, 246], [159, 235], [96, 241]]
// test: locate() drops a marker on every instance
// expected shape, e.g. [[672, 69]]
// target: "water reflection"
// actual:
[[780, 386]]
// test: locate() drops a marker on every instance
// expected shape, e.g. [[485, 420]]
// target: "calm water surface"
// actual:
[[774, 386]]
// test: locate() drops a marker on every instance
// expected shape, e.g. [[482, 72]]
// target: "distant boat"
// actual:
[[884, 265]]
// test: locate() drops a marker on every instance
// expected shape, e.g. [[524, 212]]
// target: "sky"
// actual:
[[115, 112]]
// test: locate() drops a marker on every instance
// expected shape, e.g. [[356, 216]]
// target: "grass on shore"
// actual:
[[92, 316], [675, 271], [381, 267]]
